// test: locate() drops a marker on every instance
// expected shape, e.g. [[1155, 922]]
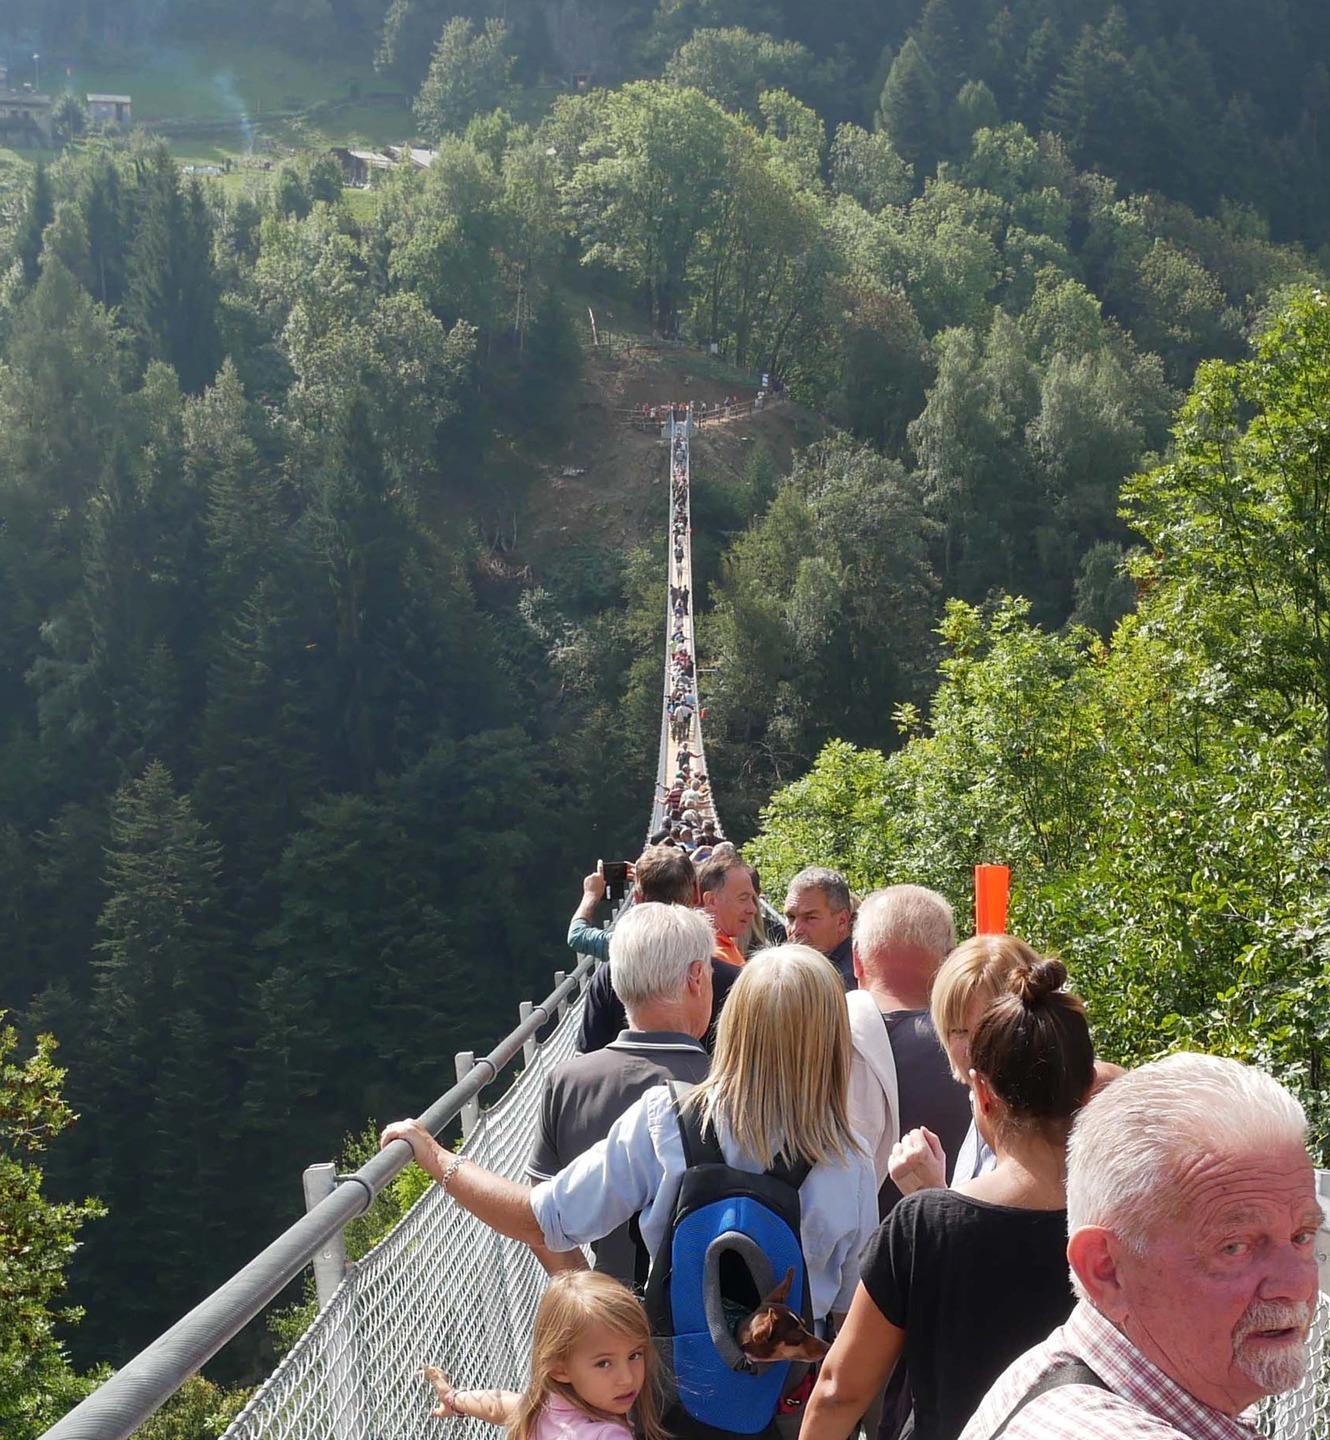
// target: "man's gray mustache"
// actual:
[[1274, 1315]]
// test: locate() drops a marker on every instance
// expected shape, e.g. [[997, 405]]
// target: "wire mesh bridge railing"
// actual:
[[441, 1288]]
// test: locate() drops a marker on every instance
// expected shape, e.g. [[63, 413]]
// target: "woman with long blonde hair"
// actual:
[[776, 1092], [594, 1371]]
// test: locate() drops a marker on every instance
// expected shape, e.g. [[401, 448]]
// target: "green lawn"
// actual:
[[230, 97]]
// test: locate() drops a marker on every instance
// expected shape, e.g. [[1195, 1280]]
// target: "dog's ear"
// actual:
[[760, 1327], [777, 1296]]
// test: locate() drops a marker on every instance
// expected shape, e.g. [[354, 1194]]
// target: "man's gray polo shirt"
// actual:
[[586, 1094]]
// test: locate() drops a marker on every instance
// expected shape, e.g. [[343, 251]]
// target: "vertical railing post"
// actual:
[[529, 1046], [330, 1262], [559, 977], [466, 1062], [343, 1378]]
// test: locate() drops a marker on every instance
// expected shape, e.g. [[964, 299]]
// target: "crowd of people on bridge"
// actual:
[[990, 1231], [647, 416], [1000, 1233]]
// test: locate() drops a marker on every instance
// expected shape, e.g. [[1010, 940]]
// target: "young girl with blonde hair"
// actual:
[[593, 1369]]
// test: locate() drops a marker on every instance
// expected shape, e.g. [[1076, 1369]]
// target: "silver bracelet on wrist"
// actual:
[[454, 1165]]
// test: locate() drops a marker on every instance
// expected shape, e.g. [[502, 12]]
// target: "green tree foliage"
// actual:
[[69, 118], [734, 66], [911, 109], [170, 295], [37, 1237], [468, 72], [800, 652], [1173, 901], [162, 1015], [1242, 512], [652, 184], [867, 168], [38, 212]]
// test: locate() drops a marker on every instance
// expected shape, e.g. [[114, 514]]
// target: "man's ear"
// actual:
[[858, 965], [1093, 1254], [848, 918]]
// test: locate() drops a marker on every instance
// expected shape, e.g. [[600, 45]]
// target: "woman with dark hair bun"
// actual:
[[960, 1282]]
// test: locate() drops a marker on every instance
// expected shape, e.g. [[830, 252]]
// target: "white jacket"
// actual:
[[874, 1099]]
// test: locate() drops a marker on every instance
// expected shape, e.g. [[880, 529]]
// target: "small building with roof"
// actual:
[[25, 117], [110, 109]]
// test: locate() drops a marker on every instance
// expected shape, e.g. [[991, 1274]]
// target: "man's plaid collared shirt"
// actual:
[[1141, 1402]]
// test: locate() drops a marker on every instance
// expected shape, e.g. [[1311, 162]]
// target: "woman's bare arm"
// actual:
[[861, 1358]]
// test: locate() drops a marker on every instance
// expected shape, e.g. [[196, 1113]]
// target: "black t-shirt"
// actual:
[[973, 1286]]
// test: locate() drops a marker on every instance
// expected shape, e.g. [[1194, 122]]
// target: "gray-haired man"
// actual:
[[1192, 1214], [660, 967]]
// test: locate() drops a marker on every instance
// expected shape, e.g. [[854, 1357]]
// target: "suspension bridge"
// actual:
[[442, 1287]]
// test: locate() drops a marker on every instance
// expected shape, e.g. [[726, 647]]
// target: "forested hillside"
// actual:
[[308, 673]]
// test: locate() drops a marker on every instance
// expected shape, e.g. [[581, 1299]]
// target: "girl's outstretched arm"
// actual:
[[495, 1406]]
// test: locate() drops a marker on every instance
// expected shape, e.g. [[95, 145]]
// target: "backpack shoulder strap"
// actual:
[[793, 1175], [1066, 1372], [699, 1147]]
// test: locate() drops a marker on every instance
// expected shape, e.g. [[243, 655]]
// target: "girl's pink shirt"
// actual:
[[562, 1420]]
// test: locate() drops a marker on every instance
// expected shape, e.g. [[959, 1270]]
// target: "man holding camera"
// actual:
[[663, 874]]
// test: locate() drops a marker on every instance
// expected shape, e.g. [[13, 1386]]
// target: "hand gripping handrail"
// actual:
[[119, 1406]]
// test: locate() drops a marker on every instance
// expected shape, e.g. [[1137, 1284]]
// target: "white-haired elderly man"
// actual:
[[900, 1077], [660, 968], [1192, 1216]]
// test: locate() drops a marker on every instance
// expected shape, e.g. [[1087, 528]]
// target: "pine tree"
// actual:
[[258, 755], [939, 38], [38, 212], [910, 110], [102, 202], [164, 1008], [171, 291]]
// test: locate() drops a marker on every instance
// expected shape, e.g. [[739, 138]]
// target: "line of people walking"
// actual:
[[998, 1232]]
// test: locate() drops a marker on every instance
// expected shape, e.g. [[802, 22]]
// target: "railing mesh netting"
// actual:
[[442, 1288]]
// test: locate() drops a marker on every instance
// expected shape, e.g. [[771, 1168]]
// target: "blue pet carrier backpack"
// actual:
[[733, 1236]]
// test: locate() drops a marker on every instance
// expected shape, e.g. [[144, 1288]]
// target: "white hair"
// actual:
[[652, 949], [904, 915], [1134, 1139]]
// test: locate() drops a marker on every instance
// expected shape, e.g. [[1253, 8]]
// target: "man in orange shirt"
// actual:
[[729, 900]]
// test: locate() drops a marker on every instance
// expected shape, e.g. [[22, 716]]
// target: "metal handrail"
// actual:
[[119, 1406]]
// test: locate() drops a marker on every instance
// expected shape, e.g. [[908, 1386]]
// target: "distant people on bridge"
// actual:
[[1192, 1219], [663, 874], [961, 1282], [593, 1370], [660, 970], [818, 913], [776, 1091]]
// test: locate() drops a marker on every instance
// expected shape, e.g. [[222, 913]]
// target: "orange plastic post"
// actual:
[[992, 886]]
